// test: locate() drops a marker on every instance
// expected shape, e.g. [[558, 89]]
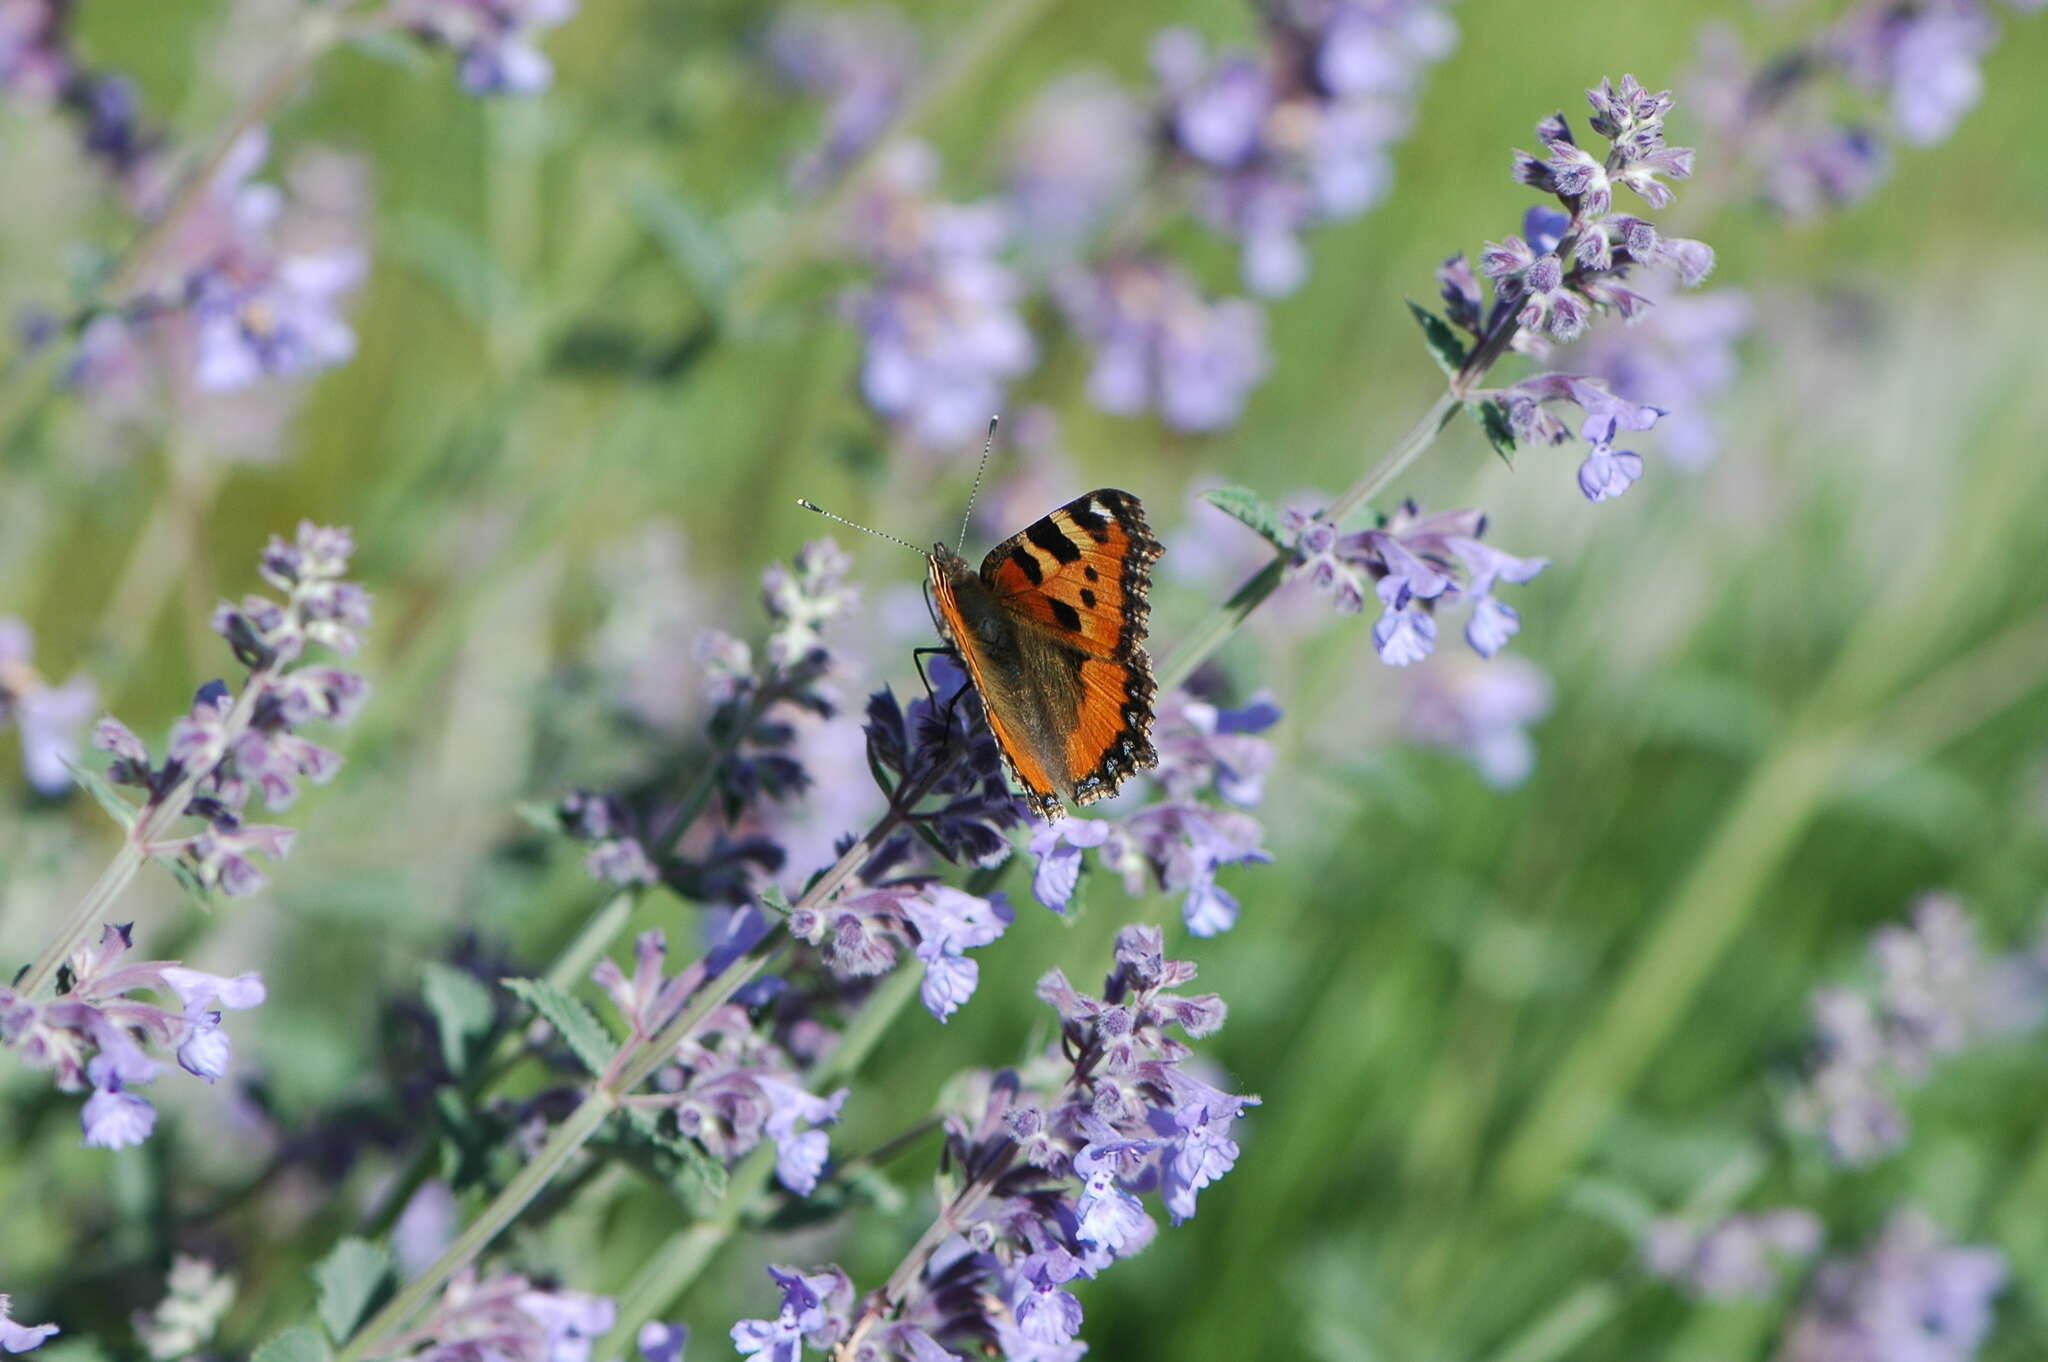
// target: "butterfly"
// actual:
[[1052, 634]]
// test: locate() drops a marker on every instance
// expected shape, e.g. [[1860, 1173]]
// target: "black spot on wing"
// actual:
[[1091, 574], [1045, 535], [1027, 563], [1093, 523], [1087, 599], [1065, 615]]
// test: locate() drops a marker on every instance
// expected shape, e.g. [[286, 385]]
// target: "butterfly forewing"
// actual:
[[1054, 641]]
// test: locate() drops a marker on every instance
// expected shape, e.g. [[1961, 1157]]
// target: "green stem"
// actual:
[[1211, 633], [563, 1145], [156, 818], [631, 1067]]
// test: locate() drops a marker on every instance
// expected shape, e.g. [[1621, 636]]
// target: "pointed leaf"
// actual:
[[300, 1343], [1493, 419], [104, 790], [349, 1278], [463, 1012], [1446, 346], [578, 1027], [1249, 508]]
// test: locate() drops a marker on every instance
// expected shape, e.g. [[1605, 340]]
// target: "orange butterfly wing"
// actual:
[[1078, 580]]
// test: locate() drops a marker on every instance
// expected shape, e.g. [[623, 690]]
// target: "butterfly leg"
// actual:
[[918, 655]]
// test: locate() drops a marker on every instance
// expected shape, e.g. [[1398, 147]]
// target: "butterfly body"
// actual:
[[1051, 631]]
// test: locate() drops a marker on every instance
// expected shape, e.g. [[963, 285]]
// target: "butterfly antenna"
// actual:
[[976, 489], [856, 525]]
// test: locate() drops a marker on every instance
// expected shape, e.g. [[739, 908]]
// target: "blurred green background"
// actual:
[[1491, 1029]]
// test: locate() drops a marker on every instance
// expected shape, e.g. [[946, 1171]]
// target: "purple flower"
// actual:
[[662, 1342], [813, 1309], [860, 935], [1058, 1176], [49, 718], [1910, 1297], [728, 1088], [1677, 359], [1414, 564], [1481, 711], [1741, 1257], [20, 1338], [494, 39], [228, 746], [1079, 149], [87, 1035], [507, 1318], [1160, 345], [1278, 144], [860, 61], [942, 751], [1936, 995], [942, 330], [1925, 60], [1057, 847], [114, 1118]]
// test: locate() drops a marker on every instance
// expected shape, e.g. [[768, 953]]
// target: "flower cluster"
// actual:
[[1936, 994], [506, 1318], [1565, 266], [940, 318], [229, 746], [1481, 711], [493, 39], [251, 286], [1920, 61], [20, 1338], [1741, 1257], [1675, 359], [47, 718], [1299, 134], [1051, 1182], [727, 1088], [860, 62], [40, 67], [940, 766], [1414, 563], [88, 1034], [196, 1297], [600, 820], [1910, 1297], [860, 935], [1160, 345], [1177, 842]]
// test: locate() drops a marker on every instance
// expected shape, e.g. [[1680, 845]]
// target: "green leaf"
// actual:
[[102, 789], [300, 1343], [578, 1027], [668, 1157], [463, 1013], [383, 45], [773, 897], [686, 236], [1446, 346], [458, 264], [195, 888], [1248, 507], [1493, 419], [544, 817], [349, 1279]]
